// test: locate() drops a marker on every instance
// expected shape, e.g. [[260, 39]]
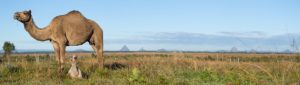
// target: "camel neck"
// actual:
[[41, 34]]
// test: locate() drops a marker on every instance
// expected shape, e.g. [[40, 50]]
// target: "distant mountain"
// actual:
[[234, 49], [142, 49], [161, 50], [252, 51], [124, 49], [287, 51]]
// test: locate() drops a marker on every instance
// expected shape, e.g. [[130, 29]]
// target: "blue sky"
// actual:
[[153, 24]]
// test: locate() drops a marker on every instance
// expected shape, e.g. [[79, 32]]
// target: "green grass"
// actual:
[[154, 69]]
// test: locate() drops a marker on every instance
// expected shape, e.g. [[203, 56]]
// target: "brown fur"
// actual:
[[71, 29]]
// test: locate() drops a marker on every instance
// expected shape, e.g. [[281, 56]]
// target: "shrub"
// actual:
[[11, 69], [136, 77]]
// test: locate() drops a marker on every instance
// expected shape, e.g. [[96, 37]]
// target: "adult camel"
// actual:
[[71, 29]]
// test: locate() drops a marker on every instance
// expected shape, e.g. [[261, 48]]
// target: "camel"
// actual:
[[71, 29], [74, 71]]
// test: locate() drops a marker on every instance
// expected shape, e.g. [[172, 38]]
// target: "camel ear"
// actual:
[[29, 11]]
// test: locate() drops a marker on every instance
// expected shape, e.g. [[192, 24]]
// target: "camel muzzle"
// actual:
[[16, 16]]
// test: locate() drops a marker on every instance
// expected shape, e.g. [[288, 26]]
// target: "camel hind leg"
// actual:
[[96, 41], [100, 57], [99, 52]]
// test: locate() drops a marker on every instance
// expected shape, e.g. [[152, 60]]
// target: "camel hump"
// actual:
[[74, 12]]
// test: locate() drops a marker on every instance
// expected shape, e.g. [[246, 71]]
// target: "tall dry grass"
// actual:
[[159, 69]]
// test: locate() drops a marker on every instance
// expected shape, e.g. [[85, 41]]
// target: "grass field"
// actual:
[[150, 68]]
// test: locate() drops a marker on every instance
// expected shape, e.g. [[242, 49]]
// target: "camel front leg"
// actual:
[[56, 51], [62, 50]]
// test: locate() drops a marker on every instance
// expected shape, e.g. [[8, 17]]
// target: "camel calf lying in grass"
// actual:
[[74, 71]]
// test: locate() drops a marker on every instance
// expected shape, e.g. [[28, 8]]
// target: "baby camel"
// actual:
[[74, 71]]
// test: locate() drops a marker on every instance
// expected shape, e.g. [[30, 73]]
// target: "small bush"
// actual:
[[11, 69], [136, 77]]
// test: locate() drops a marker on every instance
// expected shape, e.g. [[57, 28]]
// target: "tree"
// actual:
[[8, 48]]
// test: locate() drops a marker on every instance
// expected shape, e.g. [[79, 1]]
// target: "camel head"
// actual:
[[74, 59], [23, 16]]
